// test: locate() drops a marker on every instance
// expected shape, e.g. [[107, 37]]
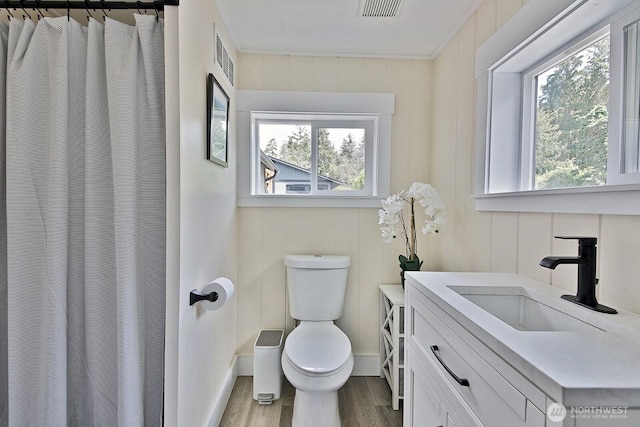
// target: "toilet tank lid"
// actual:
[[317, 261]]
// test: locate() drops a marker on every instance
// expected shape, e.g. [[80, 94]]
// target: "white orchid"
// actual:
[[392, 220], [428, 198]]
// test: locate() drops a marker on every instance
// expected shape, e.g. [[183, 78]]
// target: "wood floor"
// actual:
[[364, 402]]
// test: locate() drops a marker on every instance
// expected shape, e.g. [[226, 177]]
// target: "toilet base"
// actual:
[[315, 409]]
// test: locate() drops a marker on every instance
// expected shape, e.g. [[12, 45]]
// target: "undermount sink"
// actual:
[[520, 309]]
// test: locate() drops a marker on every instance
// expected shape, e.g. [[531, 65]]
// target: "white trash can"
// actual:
[[267, 367]]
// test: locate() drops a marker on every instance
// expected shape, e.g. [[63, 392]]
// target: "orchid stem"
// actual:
[[413, 242]]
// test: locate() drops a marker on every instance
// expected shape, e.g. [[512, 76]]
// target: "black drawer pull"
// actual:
[[462, 381]]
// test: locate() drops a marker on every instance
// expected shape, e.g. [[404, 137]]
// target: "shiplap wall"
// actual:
[[267, 234]]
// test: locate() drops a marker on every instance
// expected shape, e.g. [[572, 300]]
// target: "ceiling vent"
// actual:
[[379, 8]]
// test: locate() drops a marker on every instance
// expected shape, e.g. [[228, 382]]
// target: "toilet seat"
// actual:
[[317, 348]]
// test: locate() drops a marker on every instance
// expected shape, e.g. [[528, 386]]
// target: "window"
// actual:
[[313, 149], [570, 135], [558, 109], [315, 153]]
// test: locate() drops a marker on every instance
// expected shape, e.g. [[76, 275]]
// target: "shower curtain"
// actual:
[[82, 223]]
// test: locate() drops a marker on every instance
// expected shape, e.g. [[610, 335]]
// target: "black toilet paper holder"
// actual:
[[195, 296]]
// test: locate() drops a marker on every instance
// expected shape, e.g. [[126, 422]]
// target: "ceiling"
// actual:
[[420, 29]]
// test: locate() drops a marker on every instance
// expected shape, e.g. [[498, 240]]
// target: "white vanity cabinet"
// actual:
[[459, 373]]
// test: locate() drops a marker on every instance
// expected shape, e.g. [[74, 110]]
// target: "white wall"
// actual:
[[513, 242], [267, 234], [202, 223]]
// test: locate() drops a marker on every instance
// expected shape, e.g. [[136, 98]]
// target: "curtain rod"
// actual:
[[75, 4]]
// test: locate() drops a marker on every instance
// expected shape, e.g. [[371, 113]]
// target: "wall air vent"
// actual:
[[379, 8], [223, 59]]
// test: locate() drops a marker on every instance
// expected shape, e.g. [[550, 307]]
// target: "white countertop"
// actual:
[[577, 368]]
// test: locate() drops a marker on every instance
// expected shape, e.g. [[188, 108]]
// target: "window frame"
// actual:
[[358, 104], [537, 32], [616, 104], [316, 121]]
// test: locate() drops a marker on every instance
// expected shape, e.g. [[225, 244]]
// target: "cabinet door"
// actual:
[[535, 417], [424, 404]]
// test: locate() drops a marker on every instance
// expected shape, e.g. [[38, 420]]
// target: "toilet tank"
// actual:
[[316, 286]]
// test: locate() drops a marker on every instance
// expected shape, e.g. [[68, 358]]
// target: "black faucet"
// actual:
[[587, 280]]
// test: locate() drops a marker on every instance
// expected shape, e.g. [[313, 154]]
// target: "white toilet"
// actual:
[[317, 358]]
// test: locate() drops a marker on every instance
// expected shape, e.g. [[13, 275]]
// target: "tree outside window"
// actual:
[[571, 132]]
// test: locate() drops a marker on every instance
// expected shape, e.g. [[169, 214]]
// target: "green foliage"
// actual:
[[297, 149], [572, 120], [358, 182], [272, 148], [327, 156], [407, 264], [350, 163]]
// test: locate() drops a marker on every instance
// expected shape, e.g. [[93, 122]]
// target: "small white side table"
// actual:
[[392, 340]]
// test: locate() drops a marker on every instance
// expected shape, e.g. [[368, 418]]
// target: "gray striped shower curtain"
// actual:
[[82, 223]]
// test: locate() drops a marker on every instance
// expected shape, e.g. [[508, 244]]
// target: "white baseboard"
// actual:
[[363, 365], [366, 365], [245, 365], [225, 393]]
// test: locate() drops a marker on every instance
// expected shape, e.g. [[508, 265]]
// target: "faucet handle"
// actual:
[[582, 240], [586, 245], [585, 238]]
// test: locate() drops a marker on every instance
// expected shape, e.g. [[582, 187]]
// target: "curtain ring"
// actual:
[[24, 11], [104, 13], [86, 6], [37, 8], [9, 14]]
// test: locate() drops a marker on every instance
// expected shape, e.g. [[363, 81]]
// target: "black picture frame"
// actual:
[[217, 122]]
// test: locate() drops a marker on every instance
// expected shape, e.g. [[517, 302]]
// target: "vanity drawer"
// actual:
[[453, 411], [490, 396]]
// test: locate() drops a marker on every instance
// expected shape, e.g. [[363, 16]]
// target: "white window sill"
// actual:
[[610, 200], [306, 201]]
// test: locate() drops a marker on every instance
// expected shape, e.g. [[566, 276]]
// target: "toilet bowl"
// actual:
[[317, 360]]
